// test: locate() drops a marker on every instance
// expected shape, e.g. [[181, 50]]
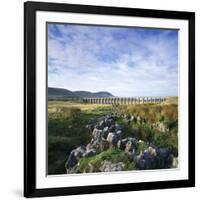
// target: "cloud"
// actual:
[[123, 61]]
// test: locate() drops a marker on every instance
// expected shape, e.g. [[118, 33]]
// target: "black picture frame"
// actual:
[[30, 9]]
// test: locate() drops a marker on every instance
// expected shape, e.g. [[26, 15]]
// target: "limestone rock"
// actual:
[[108, 166], [89, 153]]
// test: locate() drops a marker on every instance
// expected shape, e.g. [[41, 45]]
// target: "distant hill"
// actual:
[[60, 92], [64, 93], [92, 94]]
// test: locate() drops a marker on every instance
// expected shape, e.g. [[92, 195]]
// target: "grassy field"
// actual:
[[67, 127]]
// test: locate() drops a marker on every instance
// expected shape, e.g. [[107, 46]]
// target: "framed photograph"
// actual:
[[109, 99]]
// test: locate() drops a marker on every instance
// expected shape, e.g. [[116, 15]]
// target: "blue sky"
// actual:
[[124, 61]]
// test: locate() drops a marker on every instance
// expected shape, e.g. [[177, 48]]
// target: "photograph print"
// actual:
[[112, 98]]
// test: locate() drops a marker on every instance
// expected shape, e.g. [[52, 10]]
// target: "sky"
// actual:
[[125, 61]]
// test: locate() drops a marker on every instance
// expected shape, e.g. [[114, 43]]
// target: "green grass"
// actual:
[[146, 133], [151, 112]]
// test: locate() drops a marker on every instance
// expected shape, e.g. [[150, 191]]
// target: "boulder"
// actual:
[[119, 134], [106, 128], [89, 146], [129, 146], [141, 164], [89, 153], [118, 127], [163, 153], [119, 144], [112, 128], [146, 161], [154, 158], [150, 161], [101, 124], [74, 156], [110, 122], [132, 155], [108, 166], [112, 139], [122, 143], [95, 144], [78, 152], [71, 161], [105, 132], [152, 151], [96, 134]]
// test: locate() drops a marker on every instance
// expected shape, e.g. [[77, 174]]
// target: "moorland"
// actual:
[[87, 138]]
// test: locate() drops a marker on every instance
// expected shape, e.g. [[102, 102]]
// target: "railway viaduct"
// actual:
[[124, 100]]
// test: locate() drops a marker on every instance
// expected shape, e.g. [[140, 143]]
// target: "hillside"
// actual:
[[64, 93]]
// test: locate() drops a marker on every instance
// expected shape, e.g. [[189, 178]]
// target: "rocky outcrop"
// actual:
[[154, 158], [74, 157], [107, 133], [134, 118]]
